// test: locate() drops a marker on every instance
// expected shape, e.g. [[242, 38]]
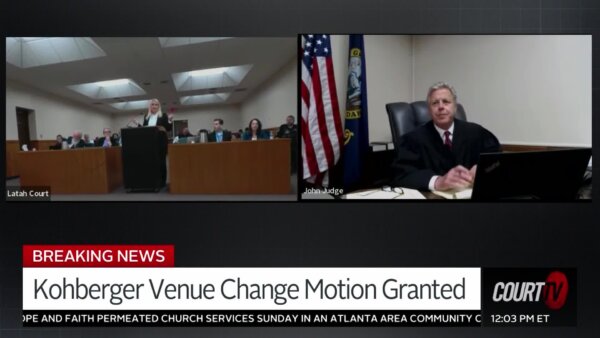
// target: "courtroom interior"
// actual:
[[533, 92], [152, 118]]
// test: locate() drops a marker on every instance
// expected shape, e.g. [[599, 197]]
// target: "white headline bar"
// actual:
[[251, 288]]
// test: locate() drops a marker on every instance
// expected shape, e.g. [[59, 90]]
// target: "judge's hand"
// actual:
[[161, 128], [170, 117], [458, 177], [473, 171]]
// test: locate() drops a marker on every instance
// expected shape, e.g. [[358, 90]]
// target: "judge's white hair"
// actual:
[[441, 85]]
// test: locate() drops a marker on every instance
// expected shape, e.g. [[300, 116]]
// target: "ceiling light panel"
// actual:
[[33, 52], [204, 99], [131, 105], [108, 89], [174, 42], [210, 78]]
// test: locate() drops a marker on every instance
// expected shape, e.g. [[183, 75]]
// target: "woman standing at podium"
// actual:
[[156, 118]]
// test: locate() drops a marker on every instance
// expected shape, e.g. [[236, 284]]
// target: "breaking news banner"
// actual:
[[139, 285]]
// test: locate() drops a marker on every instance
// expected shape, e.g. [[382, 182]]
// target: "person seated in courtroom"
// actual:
[[87, 141], [443, 153], [289, 129], [185, 132], [76, 141], [255, 131], [219, 134], [106, 140], [59, 143]]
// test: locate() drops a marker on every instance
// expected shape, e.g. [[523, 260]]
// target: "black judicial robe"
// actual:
[[422, 154]]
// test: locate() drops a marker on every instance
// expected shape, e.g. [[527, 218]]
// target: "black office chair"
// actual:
[[404, 117]]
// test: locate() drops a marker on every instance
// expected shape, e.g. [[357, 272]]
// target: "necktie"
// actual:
[[447, 141]]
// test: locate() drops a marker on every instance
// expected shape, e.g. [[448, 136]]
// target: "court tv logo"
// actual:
[[552, 292]]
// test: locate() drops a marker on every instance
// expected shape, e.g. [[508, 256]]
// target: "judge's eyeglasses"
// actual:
[[397, 190]]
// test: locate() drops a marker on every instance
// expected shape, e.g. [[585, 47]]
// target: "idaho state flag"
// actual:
[[356, 131]]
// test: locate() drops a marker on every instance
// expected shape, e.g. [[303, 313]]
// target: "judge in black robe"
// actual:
[[422, 153], [428, 160]]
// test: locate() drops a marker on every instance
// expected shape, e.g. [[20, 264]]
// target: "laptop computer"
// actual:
[[188, 140], [554, 175]]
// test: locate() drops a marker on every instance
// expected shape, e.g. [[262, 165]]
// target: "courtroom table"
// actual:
[[243, 167], [73, 171]]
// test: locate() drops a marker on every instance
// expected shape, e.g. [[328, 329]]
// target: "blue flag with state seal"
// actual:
[[356, 129]]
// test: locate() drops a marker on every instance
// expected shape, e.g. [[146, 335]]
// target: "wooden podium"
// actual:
[[73, 171], [246, 167], [144, 163]]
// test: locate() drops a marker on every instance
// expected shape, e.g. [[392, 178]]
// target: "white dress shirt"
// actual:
[[441, 132], [152, 120]]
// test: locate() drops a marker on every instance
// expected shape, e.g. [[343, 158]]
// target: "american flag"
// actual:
[[322, 136]]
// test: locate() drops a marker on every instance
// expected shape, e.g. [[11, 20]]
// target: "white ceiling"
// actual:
[[151, 66]]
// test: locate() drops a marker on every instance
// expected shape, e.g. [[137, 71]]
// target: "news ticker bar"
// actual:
[[315, 318]]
